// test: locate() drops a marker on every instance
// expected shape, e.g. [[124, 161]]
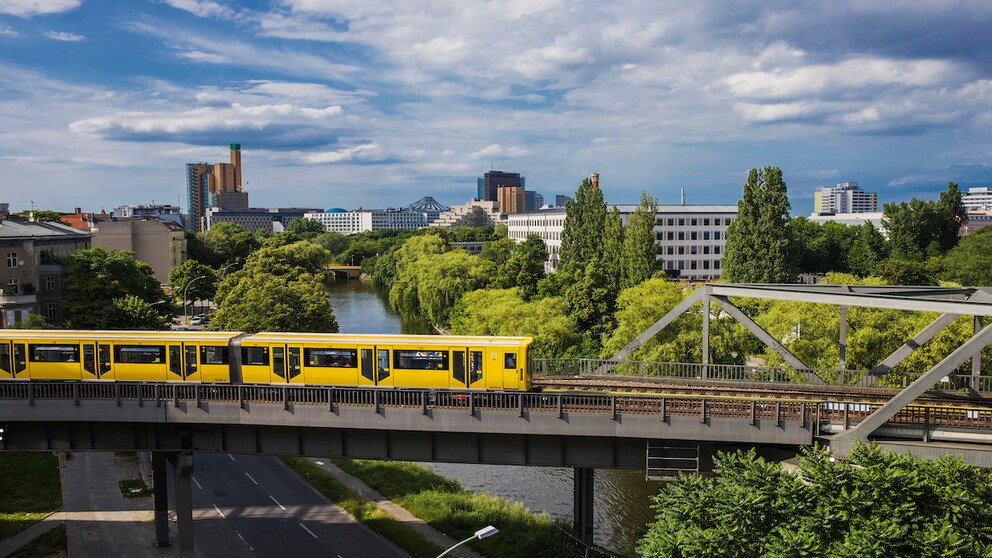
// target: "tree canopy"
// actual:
[[185, 283], [758, 248], [871, 504], [98, 277], [970, 262], [920, 228]]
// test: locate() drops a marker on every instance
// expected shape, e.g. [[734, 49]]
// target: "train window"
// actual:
[[89, 358], [509, 360], [213, 354], [421, 360], [331, 358], [53, 353], [138, 354], [176, 359], [5, 357], [255, 356]]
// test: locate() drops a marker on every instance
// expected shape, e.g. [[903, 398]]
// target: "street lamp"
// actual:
[[486, 531], [223, 269], [185, 291]]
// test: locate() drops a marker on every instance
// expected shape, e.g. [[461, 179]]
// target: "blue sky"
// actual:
[[357, 103]]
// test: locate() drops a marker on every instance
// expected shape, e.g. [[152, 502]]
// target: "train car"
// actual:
[[411, 361], [417, 361], [159, 356]]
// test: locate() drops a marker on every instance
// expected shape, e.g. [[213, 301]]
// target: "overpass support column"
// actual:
[[160, 485], [182, 469], [583, 504]]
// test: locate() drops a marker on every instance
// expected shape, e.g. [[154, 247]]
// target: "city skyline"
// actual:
[[356, 104]]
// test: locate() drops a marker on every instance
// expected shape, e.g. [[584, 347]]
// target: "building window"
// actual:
[[50, 310], [671, 250], [706, 222], [716, 264], [716, 235], [693, 222], [671, 222], [681, 235], [706, 264], [706, 249], [11, 259], [693, 235], [693, 264], [716, 249], [681, 222], [13, 286], [681, 250], [49, 283], [671, 235]]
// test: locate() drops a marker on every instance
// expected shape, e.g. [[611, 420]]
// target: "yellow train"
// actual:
[[414, 361]]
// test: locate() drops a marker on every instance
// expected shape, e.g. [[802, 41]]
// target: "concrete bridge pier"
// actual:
[[182, 475], [582, 510]]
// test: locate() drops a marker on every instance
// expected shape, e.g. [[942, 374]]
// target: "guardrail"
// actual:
[[821, 413], [745, 373]]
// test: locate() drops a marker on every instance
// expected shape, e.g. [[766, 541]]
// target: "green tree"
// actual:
[[97, 277], [131, 312], [222, 244], [870, 504], [896, 271], [868, 249], [32, 321], [639, 259], [524, 268], [953, 215], [44, 215], [430, 285], [183, 276], [333, 242], [305, 228], [497, 251], [970, 262], [613, 250], [585, 220], [919, 228], [757, 248]]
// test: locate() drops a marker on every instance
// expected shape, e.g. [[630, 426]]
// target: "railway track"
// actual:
[[644, 385]]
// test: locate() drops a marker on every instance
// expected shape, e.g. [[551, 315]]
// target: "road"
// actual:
[[255, 506]]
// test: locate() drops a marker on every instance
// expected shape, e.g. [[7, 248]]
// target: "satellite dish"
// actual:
[[20, 262]]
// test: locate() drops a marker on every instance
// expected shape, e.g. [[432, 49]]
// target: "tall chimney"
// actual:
[[683, 195], [595, 180]]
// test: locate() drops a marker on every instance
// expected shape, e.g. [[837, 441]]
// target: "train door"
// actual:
[[89, 361], [383, 375], [512, 369], [294, 370], [103, 364], [6, 370], [374, 366], [278, 364], [175, 363], [458, 377], [20, 360], [476, 369]]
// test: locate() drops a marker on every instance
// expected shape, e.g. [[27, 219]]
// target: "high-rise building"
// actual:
[[978, 199], [534, 200], [511, 199], [561, 200], [493, 180], [845, 197], [217, 185]]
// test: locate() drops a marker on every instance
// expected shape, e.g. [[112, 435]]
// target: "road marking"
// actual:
[[250, 478], [250, 547], [277, 503], [308, 530], [321, 463], [197, 483], [220, 512], [232, 458]]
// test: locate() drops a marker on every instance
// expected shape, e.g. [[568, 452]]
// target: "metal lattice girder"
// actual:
[[661, 324], [947, 366], [908, 347], [919, 299], [768, 340]]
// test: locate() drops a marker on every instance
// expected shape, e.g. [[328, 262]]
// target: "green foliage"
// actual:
[[868, 249], [505, 312], [333, 242], [639, 307], [758, 248], [32, 321], [281, 288], [305, 228], [222, 244], [31, 490], [613, 250], [524, 267], [131, 312], [429, 282], [585, 219], [202, 289], [970, 262], [921, 228], [98, 277], [497, 251], [872, 503], [639, 259], [821, 248], [44, 215], [589, 298], [895, 271]]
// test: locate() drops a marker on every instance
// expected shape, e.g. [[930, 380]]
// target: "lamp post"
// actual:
[[185, 291], [486, 531], [223, 269]]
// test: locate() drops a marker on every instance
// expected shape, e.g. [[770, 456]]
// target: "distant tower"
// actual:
[[595, 180]]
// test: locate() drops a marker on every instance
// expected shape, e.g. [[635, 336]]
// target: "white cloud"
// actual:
[[497, 149], [340, 155], [202, 8], [64, 36], [30, 8], [8, 32]]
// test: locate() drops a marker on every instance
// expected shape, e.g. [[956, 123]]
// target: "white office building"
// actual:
[[352, 222], [845, 197], [691, 238], [978, 199]]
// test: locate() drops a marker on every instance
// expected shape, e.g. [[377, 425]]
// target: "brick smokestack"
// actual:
[[595, 180]]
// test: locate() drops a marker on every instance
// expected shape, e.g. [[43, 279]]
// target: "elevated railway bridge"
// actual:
[[612, 413]]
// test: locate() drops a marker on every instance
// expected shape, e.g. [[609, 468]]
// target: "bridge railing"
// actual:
[[748, 373]]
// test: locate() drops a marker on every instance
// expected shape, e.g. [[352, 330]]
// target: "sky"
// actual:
[[347, 103]]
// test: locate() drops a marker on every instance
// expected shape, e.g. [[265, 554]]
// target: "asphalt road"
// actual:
[[255, 506]]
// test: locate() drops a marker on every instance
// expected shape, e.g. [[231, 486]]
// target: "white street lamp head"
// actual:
[[486, 531]]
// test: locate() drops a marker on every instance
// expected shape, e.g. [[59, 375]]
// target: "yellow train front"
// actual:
[[411, 361]]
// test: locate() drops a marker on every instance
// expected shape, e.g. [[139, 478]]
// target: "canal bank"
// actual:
[[622, 505]]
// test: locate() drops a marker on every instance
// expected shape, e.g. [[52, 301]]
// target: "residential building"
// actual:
[[976, 220], [255, 219], [845, 197], [160, 244], [163, 212], [978, 199], [31, 279], [691, 238], [214, 185], [474, 213], [362, 220]]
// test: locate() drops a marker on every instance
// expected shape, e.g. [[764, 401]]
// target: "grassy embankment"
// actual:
[[451, 509], [53, 543], [29, 483]]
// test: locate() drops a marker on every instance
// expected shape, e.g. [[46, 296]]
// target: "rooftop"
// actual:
[[14, 228]]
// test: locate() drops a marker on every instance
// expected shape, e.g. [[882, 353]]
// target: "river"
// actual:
[[622, 507]]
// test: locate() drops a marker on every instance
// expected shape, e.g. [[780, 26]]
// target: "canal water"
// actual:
[[622, 505]]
